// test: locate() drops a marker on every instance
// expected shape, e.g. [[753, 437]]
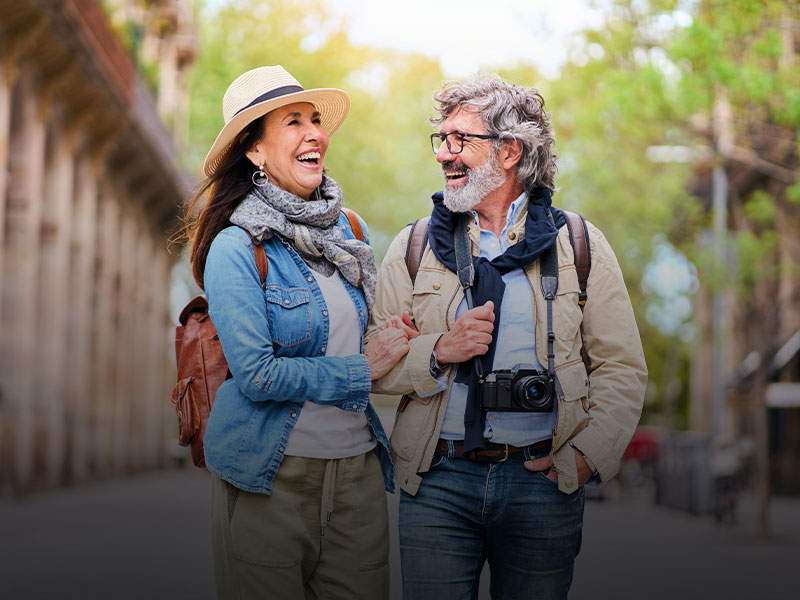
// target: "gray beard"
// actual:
[[481, 181]]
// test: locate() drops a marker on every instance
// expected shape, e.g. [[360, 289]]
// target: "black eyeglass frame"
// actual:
[[443, 137]]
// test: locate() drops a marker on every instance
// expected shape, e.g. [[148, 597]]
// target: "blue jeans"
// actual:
[[466, 513]]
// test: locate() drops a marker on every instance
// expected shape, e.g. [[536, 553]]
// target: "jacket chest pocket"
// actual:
[[289, 314], [426, 300]]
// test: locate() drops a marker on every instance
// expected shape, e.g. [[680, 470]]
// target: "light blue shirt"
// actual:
[[515, 345]]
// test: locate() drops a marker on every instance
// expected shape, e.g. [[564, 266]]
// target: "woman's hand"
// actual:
[[405, 323], [384, 350]]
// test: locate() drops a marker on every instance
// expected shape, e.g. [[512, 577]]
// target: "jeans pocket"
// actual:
[[437, 462], [543, 475]]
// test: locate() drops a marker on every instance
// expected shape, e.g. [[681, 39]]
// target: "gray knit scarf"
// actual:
[[310, 226]]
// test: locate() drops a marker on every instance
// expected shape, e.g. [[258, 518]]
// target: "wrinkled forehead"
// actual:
[[464, 118]]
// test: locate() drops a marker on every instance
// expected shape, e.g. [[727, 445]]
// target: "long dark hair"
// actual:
[[226, 188]]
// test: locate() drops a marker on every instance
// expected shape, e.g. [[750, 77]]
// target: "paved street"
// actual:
[[147, 536]]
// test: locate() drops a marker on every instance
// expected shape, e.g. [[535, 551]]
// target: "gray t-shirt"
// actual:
[[325, 431]]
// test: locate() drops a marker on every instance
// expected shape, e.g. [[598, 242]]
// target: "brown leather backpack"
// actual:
[[202, 367]]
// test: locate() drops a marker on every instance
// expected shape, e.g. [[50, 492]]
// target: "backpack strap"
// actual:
[[417, 242], [355, 224], [579, 238], [261, 262], [261, 258]]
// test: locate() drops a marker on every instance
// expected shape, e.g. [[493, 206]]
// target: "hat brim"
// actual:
[[333, 105]]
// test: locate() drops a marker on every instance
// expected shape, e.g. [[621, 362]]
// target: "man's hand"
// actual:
[[404, 323], [470, 336], [546, 464]]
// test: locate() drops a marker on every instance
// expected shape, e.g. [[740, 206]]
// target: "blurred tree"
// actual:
[[638, 135]]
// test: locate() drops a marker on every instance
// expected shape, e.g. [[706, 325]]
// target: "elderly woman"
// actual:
[[299, 458]]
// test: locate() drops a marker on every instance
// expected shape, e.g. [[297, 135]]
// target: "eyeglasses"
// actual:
[[455, 140]]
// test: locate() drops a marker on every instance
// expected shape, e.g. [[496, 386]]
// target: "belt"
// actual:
[[493, 453]]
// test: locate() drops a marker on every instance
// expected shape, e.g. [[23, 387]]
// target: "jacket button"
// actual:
[[286, 301], [324, 313], [322, 350], [294, 415], [512, 236], [309, 278], [355, 406], [281, 448], [568, 483], [436, 286]]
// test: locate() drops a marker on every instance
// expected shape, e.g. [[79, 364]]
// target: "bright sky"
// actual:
[[468, 34]]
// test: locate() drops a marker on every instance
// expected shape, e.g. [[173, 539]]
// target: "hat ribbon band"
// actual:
[[281, 91]]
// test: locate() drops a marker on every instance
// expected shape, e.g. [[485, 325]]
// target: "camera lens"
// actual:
[[534, 393]]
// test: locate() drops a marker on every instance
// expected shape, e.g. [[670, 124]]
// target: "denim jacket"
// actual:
[[274, 340]]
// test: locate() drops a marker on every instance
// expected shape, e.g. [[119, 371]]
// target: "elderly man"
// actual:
[[501, 422]]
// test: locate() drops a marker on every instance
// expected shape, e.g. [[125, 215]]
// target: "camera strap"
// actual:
[[466, 271], [549, 283]]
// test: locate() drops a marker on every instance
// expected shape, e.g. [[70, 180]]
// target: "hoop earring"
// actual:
[[260, 178]]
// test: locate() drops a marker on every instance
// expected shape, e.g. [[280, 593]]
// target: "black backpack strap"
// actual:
[[417, 242]]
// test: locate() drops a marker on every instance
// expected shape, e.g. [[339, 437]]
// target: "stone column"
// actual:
[[104, 330], [140, 397], [124, 349], [5, 129], [54, 293], [79, 335], [21, 275], [168, 376], [160, 379]]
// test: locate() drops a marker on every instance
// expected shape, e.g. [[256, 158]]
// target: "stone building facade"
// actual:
[[89, 193]]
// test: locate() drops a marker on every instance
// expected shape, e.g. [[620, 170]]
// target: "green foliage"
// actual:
[[793, 193], [754, 254], [760, 208], [646, 85]]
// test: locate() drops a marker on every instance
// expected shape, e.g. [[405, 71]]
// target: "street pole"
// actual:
[[720, 208], [723, 142]]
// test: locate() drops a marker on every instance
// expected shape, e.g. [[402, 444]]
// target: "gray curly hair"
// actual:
[[512, 113]]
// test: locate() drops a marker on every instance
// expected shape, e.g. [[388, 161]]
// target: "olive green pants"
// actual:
[[322, 534]]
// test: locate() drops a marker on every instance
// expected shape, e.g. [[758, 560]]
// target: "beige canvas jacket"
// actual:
[[598, 412]]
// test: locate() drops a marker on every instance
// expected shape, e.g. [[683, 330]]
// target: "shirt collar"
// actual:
[[513, 211]]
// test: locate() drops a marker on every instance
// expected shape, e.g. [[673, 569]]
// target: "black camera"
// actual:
[[521, 389]]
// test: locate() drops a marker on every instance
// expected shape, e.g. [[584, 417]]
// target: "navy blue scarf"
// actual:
[[540, 234]]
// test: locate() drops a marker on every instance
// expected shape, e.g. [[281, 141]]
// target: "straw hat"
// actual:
[[261, 90]]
